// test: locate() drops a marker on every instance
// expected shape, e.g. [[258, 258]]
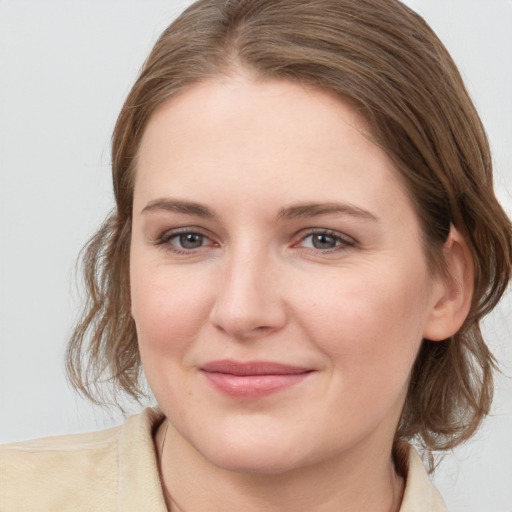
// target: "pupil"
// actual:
[[191, 241], [323, 242]]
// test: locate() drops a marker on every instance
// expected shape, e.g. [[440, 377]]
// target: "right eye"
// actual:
[[184, 241], [188, 240]]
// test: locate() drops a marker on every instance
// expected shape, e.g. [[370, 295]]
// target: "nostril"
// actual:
[[246, 327], [246, 305]]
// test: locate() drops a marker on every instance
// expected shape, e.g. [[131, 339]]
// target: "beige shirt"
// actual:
[[116, 470]]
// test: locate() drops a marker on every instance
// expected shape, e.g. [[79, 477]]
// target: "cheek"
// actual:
[[369, 324], [168, 310]]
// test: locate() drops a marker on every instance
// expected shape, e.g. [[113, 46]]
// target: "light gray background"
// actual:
[[65, 68]]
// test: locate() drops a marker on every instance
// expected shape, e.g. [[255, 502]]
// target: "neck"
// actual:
[[360, 481]]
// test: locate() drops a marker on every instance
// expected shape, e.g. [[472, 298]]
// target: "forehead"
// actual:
[[247, 102], [259, 138]]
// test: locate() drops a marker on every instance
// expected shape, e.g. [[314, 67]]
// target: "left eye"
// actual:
[[324, 241]]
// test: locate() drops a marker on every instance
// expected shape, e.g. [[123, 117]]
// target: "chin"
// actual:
[[252, 451], [253, 460]]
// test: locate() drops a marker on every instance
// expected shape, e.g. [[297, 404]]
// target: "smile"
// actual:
[[253, 379]]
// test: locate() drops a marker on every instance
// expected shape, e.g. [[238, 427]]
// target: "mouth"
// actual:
[[254, 379]]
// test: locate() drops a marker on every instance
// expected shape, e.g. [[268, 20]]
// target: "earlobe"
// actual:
[[453, 290]]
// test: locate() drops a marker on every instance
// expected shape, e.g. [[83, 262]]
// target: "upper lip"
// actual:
[[231, 367]]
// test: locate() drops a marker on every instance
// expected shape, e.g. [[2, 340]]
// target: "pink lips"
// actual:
[[253, 379]]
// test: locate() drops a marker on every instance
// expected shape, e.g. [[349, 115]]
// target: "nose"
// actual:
[[249, 302]]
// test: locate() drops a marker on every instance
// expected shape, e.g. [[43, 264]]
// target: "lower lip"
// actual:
[[252, 386]]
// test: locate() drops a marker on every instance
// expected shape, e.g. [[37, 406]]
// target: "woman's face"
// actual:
[[278, 282]]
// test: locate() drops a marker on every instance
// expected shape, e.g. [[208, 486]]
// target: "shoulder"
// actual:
[[420, 495], [49, 473], [73, 472]]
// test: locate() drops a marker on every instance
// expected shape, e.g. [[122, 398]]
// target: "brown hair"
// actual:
[[383, 58]]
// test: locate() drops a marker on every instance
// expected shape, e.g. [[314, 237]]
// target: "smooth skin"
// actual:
[[268, 227]]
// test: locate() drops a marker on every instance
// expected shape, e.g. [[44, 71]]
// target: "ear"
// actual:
[[452, 290]]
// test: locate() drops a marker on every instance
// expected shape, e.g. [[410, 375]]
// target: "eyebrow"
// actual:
[[303, 210], [177, 206], [307, 210]]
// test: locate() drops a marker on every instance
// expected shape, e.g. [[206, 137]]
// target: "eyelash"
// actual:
[[342, 242], [164, 240]]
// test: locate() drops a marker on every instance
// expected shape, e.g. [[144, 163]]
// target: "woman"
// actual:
[[305, 240]]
